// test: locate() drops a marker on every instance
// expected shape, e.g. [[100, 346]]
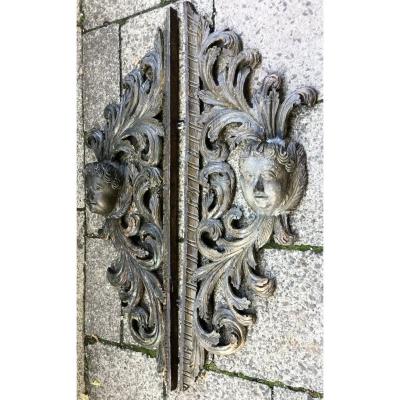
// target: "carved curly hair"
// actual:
[[277, 149], [106, 170]]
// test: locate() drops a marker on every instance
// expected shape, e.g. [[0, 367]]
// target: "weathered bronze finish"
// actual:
[[134, 184], [171, 196], [222, 243], [125, 185]]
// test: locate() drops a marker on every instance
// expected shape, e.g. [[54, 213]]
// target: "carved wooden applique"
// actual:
[[221, 243]]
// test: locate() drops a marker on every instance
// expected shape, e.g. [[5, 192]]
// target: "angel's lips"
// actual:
[[262, 202]]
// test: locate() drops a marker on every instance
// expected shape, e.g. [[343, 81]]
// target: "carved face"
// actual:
[[101, 194], [263, 181]]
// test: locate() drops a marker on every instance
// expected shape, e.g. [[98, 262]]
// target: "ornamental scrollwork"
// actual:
[[125, 186], [272, 178]]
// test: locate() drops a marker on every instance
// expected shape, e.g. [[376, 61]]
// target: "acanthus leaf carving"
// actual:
[[272, 178], [125, 185]]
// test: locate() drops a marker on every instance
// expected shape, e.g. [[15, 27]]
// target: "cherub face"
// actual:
[[263, 181], [100, 195]]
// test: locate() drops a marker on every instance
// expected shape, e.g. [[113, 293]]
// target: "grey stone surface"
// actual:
[[100, 87], [307, 220], [285, 344], [137, 37], [80, 281], [212, 386], [94, 222], [98, 12], [102, 304], [100, 73], [287, 33], [118, 374], [79, 123], [286, 394]]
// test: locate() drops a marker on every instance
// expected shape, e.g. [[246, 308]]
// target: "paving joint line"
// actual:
[[93, 339], [213, 368], [124, 20]]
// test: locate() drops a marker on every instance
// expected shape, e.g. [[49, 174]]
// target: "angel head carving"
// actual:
[[130, 142], [266, 174], [103, 181]]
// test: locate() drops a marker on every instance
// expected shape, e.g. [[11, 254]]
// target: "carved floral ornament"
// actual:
[[272, 177], [125, 185]]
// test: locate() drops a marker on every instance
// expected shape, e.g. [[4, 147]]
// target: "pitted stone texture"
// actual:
[[79, 123], [285, 344], [100, 74], [102, 303], [213, 386], [100, 87], [118, 374], [307, 219], [137, 37], [94, 222], [287, 33], [99, 12], [286, 394], [80, 279]]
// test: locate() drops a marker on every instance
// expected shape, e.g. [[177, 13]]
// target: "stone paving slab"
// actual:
[[102, 303], [94, 222], [79, 123], [212, 386], [137, 37], [100, 12], [307, 220], [119, 374], [100, 73], [286, 394], [285, 344], [100, 87], [287, 33], [80, 281]]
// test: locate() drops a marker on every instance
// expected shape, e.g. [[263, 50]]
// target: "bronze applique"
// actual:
[[125, 185], [225, 115], [134, 184]]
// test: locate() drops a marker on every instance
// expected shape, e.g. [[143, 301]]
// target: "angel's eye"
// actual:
[[98, 188], [269, 175]]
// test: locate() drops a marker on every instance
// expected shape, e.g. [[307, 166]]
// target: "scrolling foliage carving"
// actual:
[[125, 185], [272, 177]]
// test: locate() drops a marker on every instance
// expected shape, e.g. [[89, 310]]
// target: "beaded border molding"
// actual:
[[225, 114]]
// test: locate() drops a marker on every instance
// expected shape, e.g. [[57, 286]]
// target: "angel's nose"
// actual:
[[259, 185]]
